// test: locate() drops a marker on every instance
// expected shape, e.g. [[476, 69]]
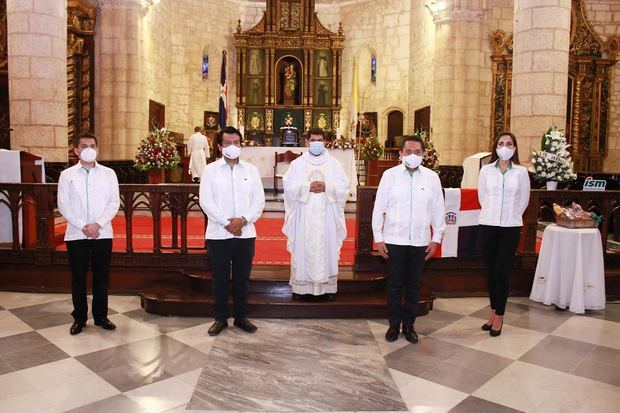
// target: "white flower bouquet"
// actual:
[[553, 161]]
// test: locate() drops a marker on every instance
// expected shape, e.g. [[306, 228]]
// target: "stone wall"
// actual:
[[382, 27], [604, 15], [422, 51], [37, 51]]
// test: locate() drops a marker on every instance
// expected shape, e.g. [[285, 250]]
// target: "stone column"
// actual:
[[37, 50], [456, 117], [121, 107], [539, 70]]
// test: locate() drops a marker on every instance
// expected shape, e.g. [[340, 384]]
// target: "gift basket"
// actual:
[[574, 216]]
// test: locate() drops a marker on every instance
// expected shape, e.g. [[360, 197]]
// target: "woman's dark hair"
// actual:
[[515, 157], [229, 130]]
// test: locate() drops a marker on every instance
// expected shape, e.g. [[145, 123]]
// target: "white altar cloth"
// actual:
[[263, 158]]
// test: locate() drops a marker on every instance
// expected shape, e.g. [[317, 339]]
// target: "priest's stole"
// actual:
[[461, 238]]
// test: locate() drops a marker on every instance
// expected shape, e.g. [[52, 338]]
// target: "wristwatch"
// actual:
[[245, 221]]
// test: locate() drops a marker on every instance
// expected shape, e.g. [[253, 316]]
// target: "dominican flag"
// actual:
[[461, 237], [223, 93]]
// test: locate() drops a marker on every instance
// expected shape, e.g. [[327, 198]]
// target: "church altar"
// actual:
[[263, 157]]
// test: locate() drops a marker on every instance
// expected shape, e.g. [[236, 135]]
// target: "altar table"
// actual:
[[263, 158], [570, 270]]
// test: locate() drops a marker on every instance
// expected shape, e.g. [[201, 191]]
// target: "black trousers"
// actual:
[[405, 267], [499, 245], [231, 257], [98, 252]]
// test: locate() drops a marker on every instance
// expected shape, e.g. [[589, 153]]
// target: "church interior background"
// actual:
[[459, 70]]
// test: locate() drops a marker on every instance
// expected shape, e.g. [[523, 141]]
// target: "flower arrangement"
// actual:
[[158, 150], [431, 156], [553, 161], [372, 149], [340, 143]]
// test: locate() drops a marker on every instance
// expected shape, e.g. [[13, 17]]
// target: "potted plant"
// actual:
[[553, 164], [156, 153]]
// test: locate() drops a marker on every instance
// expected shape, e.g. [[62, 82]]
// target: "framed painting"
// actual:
[[210, 120]]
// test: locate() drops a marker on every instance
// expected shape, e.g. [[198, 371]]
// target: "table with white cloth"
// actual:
[[263, 157], [570, 271]]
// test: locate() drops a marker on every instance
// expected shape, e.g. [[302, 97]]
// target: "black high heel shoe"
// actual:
[[486, 327], [495, 333]]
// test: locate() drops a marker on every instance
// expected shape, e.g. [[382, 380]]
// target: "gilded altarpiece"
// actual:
[[80, 69], [589, 80], [5, 138], [502, 83], [589, 69], [288, 64]]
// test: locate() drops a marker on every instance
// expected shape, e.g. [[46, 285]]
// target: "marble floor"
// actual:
[[544, 361]]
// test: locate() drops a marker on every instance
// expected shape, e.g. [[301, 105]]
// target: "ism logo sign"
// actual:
[[591, 184]]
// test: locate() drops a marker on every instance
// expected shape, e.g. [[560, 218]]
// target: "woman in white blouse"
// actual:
[[504, 193]]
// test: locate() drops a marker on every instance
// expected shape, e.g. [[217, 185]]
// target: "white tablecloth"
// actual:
[[570, 270], [263, 158]]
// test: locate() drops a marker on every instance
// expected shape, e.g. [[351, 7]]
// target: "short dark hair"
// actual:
[[315, 131], [197, 129], [228, 129], [84, 135], [414, 138], [515, 157]]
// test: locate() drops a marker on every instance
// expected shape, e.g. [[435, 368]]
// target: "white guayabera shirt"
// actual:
[[231, 192], [503, 197], [407, 206], [87, 197]]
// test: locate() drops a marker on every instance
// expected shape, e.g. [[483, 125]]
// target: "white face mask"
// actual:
[[316, 148], [88, 155], [231, 151], [412, 161], [505, 153]]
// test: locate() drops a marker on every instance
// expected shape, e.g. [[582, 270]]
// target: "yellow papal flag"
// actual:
[[354, 98]]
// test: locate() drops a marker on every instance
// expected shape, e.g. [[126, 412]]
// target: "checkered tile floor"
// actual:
[[544, 361]]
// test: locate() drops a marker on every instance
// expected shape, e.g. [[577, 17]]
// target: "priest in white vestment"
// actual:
[[198, 149], [315, 191]]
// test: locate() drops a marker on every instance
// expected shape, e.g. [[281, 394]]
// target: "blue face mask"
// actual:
[[316, 148]]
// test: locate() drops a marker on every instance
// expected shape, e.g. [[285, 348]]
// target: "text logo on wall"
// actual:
[[591, 184]]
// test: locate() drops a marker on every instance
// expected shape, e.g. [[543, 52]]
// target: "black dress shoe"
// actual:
[[410, 334], [76, 328], [245, 325], [391, 334], [486, 327], [217, 327], [105, 324]]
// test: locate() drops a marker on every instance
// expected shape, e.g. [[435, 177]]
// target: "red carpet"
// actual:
[[270, 244]]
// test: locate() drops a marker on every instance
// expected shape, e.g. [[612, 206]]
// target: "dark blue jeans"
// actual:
[[81, 253], [231, 258], [405, 267]]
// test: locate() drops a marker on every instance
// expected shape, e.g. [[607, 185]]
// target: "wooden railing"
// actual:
[[606, 204], [38, 202]]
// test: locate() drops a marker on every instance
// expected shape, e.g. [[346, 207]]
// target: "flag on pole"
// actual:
[[223, 93], [354, 99]]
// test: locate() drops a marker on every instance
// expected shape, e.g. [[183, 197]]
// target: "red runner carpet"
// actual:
[[270, 243]]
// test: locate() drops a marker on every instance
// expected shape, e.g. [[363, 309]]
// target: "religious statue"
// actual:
[[322, 66], [254, 62], [255, 121], [323, 90], [290, 81], [254, 95]]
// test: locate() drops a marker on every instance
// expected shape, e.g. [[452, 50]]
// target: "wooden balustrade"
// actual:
[[179, 200], [606, 204]]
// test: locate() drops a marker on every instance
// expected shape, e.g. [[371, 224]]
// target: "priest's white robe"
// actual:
[[198, 149], [314, 222]]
